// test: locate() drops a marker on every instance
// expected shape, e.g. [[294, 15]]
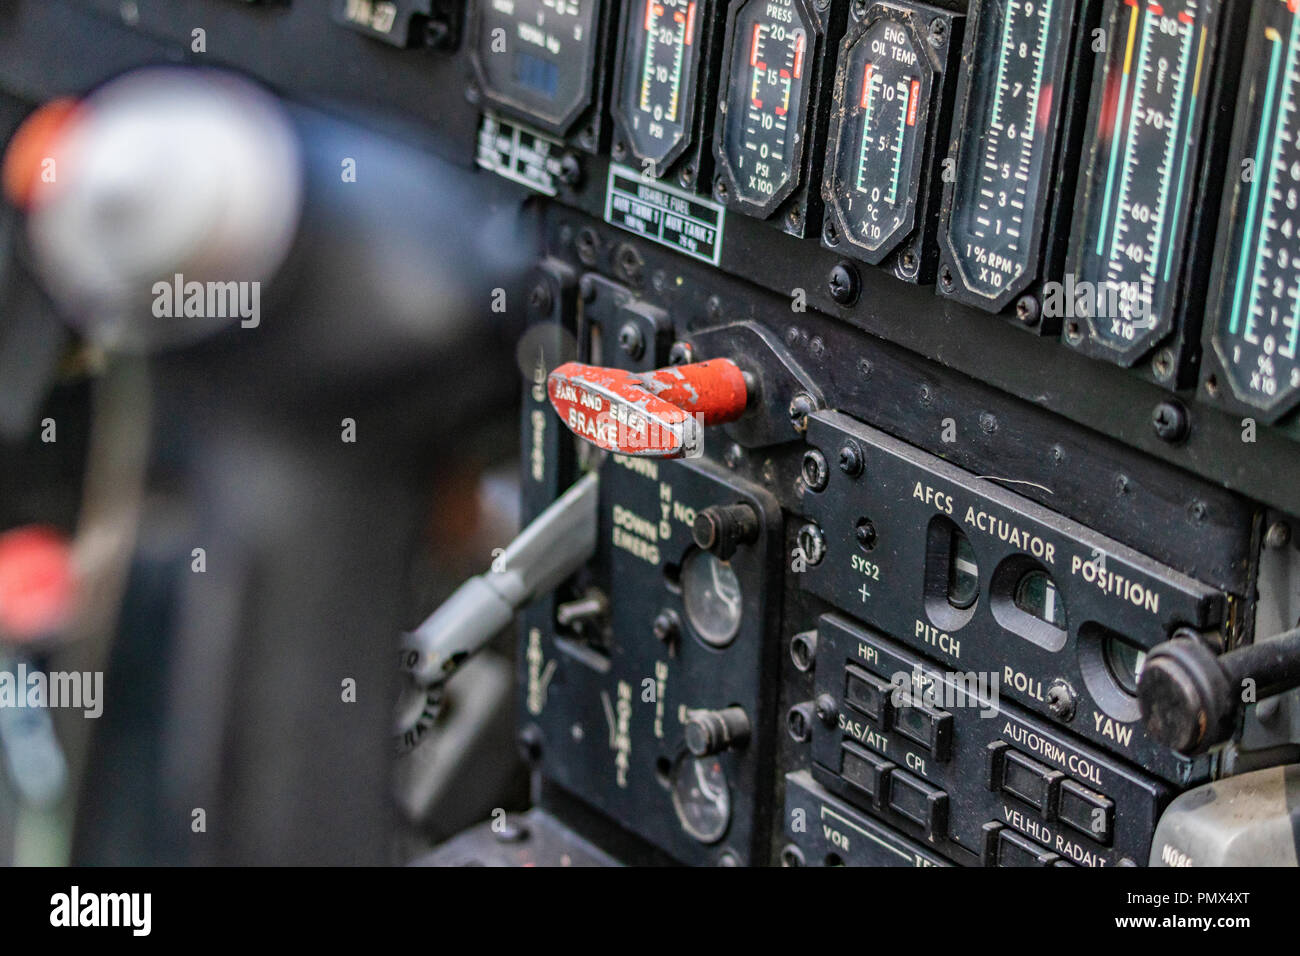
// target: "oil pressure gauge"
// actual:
[[1138, 186], [1255, 292], [536, 59], [889, 87], [773, 54], [1009, 127]]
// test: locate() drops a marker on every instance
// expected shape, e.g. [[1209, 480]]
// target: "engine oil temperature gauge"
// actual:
[[888, 85], [1255, 291]]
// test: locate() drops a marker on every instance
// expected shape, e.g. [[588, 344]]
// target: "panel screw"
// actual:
[[843, 284], [1170, 421], [801, 406], [798, 722], [816, 473], [530, 744], [570, 170], [667, 626], [541, 299], [1278, 535], [631, 341], [1027, 311], [826, 709], [812, 543], [1060, 700], [734, 456], [682, 353], [865, 533], [851, 459]]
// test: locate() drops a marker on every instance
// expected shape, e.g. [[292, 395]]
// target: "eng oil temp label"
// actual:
[[664, 214]]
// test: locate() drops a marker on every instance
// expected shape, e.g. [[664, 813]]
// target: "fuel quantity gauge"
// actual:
[[1137, 190], [892, 70], [1009, 128], [661, 56], [1255, 295]]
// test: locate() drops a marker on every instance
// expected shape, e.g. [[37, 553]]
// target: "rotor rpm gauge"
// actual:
[[1136, 194], [1016, 62], [655, 101], [761, 131], [890, 68], [1256, 293], [536, 58]]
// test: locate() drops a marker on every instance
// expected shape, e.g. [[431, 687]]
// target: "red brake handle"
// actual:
[[658, 414]]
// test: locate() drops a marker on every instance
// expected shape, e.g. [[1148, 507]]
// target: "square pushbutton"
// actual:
[[869, 694], [919, 802], [930, 728], [867, 771], [1015, 850], [1028, 780], [1087, 811]]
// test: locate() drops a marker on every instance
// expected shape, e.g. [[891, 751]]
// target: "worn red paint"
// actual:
[[655, 414]]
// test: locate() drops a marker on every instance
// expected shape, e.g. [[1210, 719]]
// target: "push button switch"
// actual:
[[930, 728], [919, 802], [1087, 811], [869, 694], [867, 771], [1015, 850], [1025, 779]]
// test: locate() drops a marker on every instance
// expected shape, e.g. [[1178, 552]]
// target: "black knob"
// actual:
[[721, 529], [1191, 699], [713, 731]]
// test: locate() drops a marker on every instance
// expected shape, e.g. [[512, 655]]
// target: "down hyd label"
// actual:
[[973, 575]]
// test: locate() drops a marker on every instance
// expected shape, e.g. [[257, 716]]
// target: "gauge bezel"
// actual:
[[816, 40], [562, 122], [659, 168], [1045, 224], [1092, 343], [934, 61]]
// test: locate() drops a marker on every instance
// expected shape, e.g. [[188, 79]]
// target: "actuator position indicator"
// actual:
[[537, 57], [1015, 60], [771, 51], [1137, 187], [882, 106], [1256, 296], [661, 58]]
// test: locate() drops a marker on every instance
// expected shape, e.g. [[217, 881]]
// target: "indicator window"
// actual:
[[1025, 600], [1124, 661], [952, 575], [963, 573], [1036, 595], [537, 74]]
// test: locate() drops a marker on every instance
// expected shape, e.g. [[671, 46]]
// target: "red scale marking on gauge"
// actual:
[[866, 85], [690, 23], [913, 101], [798, 55], [753, 46], [1186, 17], [1157, 9]]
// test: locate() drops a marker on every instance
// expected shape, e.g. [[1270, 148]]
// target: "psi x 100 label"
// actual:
[[664, 214]]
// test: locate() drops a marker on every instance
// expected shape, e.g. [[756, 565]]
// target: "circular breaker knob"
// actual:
[[713, 731], [658, 414]]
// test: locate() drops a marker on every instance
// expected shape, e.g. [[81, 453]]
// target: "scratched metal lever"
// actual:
[[657, 414]]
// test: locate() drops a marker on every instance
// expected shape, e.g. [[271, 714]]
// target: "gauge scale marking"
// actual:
[[660, 66], [882, 101], [1015, 64], [762, 129], [537, 57], [1257, 318], [1136, 195]]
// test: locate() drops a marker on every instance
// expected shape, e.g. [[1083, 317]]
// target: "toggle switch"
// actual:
[[658, 414]]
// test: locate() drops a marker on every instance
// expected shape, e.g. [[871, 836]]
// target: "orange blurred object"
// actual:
[[32, 144], [37, 584]]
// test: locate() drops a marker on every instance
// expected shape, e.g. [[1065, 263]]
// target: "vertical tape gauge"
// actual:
[[1138, 186], [1008, 129], [1255, 296]]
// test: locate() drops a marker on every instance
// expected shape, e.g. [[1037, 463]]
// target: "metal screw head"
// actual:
[[530, 744], [734, 456], [1027, 311], [801, 406], [682, 353], [945, 278], [667, 626], [1278, 535], [713, 308], [721, 189], [1170, 421], [540, 299], [631, 341], [798, 722], [827, 710], [843, 283], [816, 473], [864, 532], [812, 542], [1061, 700], [570, 170], [830, 235], [851, 459], [620, 149]]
